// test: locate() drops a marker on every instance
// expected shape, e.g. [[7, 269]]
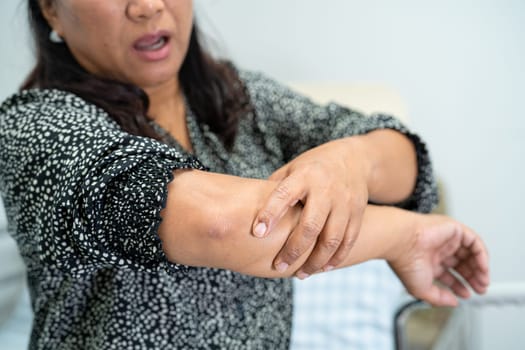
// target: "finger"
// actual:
[[481, 255], [477, 260], [476, 285], [287, 193], [475, 246], [451, 261], [473, 271], [479, 263], [483, 280], [453, 283], [463, 253], [311, 223], [464, 271], [450, 246], [477, 279], [446, 278], [459, 289], [352, 232], [473, 277], [327, 244], [439, 296]]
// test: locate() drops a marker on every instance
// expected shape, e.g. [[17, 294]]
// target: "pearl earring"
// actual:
[[55, 38]]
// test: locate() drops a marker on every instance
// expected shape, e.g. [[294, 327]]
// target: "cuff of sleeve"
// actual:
[[424, 198], [122, 202]]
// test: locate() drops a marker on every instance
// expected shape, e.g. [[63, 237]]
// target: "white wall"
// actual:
[[14, 61], [15, 48], [458, 64]]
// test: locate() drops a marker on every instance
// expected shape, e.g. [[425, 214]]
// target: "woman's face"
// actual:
[[142, 42]]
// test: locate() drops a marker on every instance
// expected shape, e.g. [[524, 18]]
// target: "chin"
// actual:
[[151, 84], [155, 77]]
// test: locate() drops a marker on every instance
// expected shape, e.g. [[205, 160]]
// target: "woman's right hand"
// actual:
[[441, 250]]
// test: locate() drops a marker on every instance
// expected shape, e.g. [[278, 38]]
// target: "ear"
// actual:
[[49, 12]]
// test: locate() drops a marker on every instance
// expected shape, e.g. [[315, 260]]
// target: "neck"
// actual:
[[167, 109], [165, 101]]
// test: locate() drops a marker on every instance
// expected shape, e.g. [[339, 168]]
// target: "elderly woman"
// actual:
[[159, 196]]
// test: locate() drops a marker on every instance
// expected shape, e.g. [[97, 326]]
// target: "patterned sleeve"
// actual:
[[79, 189], [292, 124]]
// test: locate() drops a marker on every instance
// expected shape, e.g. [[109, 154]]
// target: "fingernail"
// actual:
[[260, 229], [302, 275], [328, 268], [281, 267]]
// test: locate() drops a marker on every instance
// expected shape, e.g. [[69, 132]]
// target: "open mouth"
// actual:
[[151, 43]]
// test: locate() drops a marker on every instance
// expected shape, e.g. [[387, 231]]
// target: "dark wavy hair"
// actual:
[[212, 88]]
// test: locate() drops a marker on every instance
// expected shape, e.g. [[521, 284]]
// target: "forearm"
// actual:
[[391, 164], [208, 220], [385, 233]]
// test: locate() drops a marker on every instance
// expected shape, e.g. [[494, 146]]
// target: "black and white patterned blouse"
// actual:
[[83, 200]]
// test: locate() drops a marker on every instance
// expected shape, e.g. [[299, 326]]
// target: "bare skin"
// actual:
[[419, 248]]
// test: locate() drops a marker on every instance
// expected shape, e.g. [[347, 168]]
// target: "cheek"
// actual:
[[98, 52], [184, 34], [96, 41], [91, 21], [182, 13]]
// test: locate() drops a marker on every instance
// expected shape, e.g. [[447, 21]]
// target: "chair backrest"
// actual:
[[367, 97], [419, 326]]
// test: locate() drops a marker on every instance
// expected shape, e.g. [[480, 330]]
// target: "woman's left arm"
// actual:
[[338, 160]]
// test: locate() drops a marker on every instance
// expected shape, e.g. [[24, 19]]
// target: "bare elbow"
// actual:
[[219, 228], [199, 240]]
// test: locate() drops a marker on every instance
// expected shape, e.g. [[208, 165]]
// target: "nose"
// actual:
[[140, 10]]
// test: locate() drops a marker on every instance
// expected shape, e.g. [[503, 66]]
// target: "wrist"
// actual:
[[360, 157], [404, 235]]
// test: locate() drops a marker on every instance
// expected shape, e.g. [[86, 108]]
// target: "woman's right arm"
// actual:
[[208, 216]]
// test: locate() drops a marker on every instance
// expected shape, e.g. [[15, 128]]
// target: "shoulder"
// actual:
[[51, 128], [269, 94], [52, 108], [47, 97], [258, 82]]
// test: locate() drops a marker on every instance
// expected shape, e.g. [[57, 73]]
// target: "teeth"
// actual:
[[155, 46]]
